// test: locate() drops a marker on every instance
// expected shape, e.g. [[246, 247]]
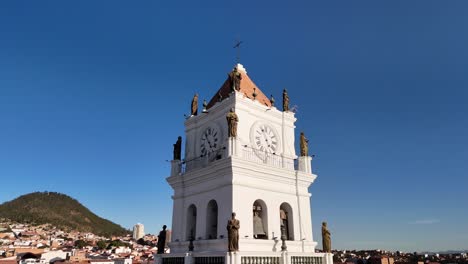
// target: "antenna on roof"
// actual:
[[237, 46]]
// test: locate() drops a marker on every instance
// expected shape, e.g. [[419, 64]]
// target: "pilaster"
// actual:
[[176, 167], [304, 164]]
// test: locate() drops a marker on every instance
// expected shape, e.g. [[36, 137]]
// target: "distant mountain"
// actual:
[[59, 210]]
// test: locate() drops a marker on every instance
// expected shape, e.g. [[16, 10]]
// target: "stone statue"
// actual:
[[162, 240], [194, 110], [233, 226], [235, 77], [285, 101], [304, 144], [178, 149], [232, 120], [258, 225], [326, 240]]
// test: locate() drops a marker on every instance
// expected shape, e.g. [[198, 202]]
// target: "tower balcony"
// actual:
[[246, 153]]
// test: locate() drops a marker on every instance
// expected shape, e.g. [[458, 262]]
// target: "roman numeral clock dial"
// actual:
[[209, 141], [264, 139]]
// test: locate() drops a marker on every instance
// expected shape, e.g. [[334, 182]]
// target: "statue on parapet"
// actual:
[[232, 120], [194, 106], [233, 226], [285, 101], [326, 239], [162, 240], [304, 145], [178, 149], [235, 78]]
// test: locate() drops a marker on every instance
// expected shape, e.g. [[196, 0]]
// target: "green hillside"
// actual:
[[59, 210]]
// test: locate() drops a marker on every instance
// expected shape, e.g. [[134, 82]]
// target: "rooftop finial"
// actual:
[[237, 46]]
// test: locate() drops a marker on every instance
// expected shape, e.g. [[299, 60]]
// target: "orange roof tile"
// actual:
[[246, 88], [8, 261]]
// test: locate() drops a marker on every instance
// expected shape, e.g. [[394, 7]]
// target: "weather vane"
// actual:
[[237, 46]]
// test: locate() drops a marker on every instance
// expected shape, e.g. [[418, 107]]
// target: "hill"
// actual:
[[59, 210]]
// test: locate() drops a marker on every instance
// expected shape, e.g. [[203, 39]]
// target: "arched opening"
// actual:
[[191, 225], [212, 220], [286, 221], [260, 220]]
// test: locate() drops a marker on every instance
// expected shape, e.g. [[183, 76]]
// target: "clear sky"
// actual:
[[93, 95]]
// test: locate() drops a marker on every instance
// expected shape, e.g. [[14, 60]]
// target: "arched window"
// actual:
[[260, 220], [286, 221], [191, 225], [212, 220]]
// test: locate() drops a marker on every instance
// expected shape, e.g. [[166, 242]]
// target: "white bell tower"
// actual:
[[256, 174]]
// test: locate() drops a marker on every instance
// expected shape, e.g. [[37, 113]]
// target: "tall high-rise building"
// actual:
[[138, 231]]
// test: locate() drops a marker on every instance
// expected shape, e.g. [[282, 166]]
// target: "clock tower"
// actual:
[[240, 157]]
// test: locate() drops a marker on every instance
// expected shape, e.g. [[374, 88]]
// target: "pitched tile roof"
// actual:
[[246, 88]]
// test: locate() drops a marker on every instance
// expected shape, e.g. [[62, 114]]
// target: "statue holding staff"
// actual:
[[194, 106], [162, 240], [304, 145], [232, 120], [178, 148], [233, 226], [285, 101], [235, 78], [326, 240]]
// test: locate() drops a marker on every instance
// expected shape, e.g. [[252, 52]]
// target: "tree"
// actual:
[[80, 243], [101, 244], [117, 243], [141, 241]]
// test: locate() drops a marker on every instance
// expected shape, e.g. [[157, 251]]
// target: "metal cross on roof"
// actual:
[[237, 46]]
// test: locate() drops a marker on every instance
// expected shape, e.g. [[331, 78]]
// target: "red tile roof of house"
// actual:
[[8, 261]]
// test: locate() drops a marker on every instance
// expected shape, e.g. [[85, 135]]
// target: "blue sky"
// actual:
[[93, 95]]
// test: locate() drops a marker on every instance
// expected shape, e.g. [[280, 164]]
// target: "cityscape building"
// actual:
[[138, 231]]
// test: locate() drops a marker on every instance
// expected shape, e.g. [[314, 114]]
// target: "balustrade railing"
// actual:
[[260, 260], [267, 158], [210, 260], [173, 260], [306, 260], [252, 259], [244, 152]]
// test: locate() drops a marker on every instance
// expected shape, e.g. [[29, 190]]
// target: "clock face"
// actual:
[[209, 141], [265, 139]]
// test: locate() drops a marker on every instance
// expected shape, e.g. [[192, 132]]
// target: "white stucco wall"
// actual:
[[236, 181]]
